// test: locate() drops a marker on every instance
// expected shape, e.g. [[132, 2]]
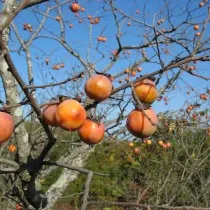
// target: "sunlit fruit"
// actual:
[[12, 148], [196, 27], [131, 144], [97, 20], [138, 124], [102, 39], [136, 150], [75, 7], [191, 68], [58, 18], [99, 38], [198, 34], [70, 115], [201, 4], [115, 53], [149, 142], [203, 96], [49, 114], [160, 142], [168, 144], [6, 126], [127, 71], [92, 21], [62, 65], [98, 87], [146, 91], [190, 107], [139, 69], [164, 145], [91, 132]]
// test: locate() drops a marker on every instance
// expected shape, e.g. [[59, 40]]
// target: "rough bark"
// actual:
[[12, 96], [31, 82]]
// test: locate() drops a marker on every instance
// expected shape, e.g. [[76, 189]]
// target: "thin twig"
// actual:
[[86, 191]]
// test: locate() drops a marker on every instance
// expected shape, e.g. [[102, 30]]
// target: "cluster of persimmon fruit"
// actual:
[[70, 115], [137, 149], [75, 7], [142, 121]]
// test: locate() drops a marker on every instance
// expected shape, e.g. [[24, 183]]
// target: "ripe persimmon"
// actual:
[[7, 126], [196, 27], [201, 4], [127, 71], [138, 124], [91, 132], [12, 148], [70, 115], [49, 113], [146, 91], [98, 87], [160, 142], [58, 18], [149, 142], [139, 69], [198, 34], [168, 144], [131, 144], [136, 150], [97, 20], [75, 7]]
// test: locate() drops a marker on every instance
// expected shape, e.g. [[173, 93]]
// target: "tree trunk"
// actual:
[[12, 96]]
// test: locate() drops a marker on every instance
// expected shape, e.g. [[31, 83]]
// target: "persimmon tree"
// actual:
[[98, 59]]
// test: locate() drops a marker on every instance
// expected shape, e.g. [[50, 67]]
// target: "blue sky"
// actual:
[[78, 37]]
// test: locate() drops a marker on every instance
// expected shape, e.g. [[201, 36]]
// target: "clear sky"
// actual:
[[83, 39]]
